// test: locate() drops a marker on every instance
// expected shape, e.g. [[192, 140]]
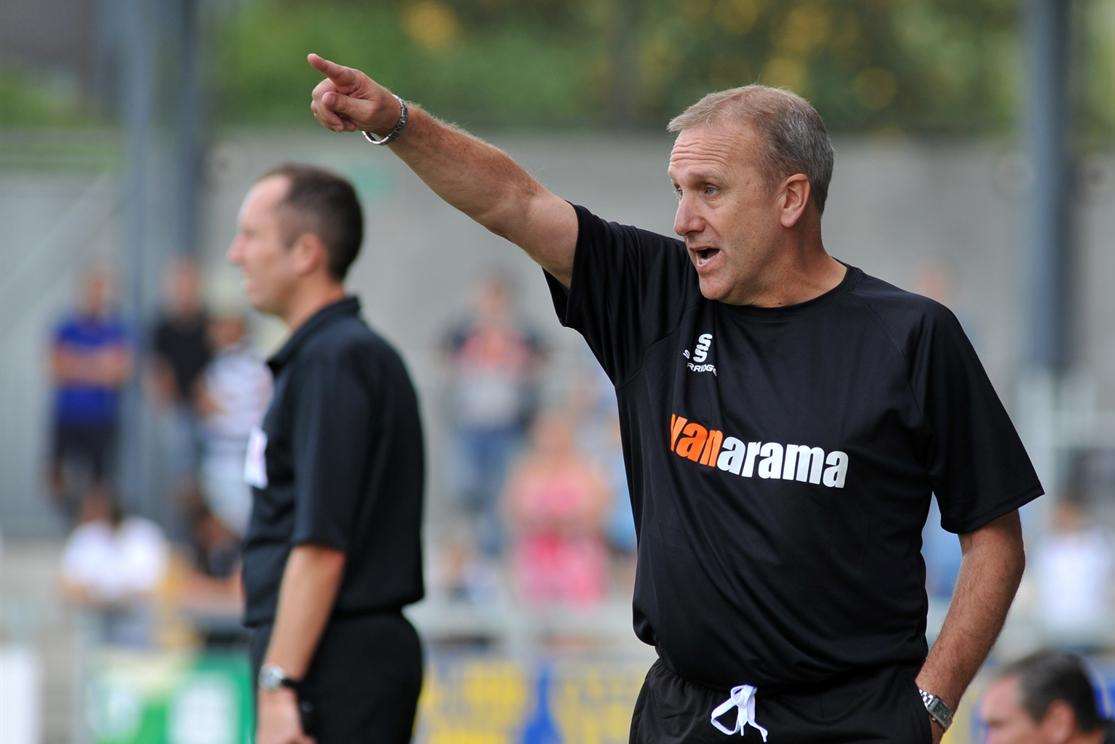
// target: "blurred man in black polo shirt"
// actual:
[[180, 351], [1045, 698], [332, 552]]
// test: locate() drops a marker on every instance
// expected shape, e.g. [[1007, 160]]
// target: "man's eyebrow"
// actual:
[[696, 176]]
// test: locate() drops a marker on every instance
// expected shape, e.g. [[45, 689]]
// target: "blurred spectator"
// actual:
[[593, 406], [494, 364], [112, 564], [460, 572], [203, 582], [1045, 698], [1074, 574], [91, 360], [232, 395], [215, 549], [180, 350], [555, 501]]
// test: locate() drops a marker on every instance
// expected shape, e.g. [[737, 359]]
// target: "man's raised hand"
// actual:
[[348, 100], [465, 171]]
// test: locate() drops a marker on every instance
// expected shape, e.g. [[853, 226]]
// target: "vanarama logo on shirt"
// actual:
[[700, 354], [800, 462]]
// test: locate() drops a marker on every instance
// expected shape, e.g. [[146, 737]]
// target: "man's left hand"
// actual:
[[938, 732]]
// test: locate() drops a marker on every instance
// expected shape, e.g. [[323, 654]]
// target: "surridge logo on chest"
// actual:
[[770, 460], [696, 361]]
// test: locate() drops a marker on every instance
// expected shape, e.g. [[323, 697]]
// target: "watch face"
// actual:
[[944, 715], [271, 677], [937, 708]]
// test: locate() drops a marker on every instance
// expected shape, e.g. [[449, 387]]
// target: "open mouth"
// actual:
[[703, 256]]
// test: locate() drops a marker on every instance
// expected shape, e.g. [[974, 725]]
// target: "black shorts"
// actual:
[[363, 682], [880, 705], [91, 445]]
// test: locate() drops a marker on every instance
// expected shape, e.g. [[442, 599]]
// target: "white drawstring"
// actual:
[[743, 699]]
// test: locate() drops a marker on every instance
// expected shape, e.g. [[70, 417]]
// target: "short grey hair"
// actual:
[[794, 135]]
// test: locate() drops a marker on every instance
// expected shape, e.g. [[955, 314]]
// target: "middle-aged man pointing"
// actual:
[[785, 420]]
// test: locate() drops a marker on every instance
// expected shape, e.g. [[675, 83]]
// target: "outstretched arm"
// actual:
[[989, 576], [473, 176]]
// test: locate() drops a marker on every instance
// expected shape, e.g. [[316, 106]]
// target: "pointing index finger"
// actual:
[[332, 70]]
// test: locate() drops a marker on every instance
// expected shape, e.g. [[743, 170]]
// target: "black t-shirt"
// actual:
[[781, 460], [342, 467], [183, 343]]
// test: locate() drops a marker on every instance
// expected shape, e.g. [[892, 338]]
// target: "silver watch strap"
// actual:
[[937, 709], [404, 116]]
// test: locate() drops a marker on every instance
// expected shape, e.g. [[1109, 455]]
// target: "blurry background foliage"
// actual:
[[949, 67]]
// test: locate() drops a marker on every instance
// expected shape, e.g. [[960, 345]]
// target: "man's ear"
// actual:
[[1059, 721], [309, 253], [793, 199]]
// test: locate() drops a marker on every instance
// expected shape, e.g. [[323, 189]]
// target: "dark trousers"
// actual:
[[363, 682], [881, 705], [91, 445]]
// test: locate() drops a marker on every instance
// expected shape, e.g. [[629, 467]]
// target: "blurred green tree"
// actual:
[[921, 67], [949, 67]]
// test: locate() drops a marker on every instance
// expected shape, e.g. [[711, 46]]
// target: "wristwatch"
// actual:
[[396, 130], [938, 710], [272, 678]]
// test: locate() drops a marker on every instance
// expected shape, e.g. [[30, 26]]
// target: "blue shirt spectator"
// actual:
[[90, 362], [94, 399]]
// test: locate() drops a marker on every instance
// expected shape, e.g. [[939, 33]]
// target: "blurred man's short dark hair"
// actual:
[[1047, 676], [325, 204]]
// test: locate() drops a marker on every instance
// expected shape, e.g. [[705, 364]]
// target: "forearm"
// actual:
[[119, 366], [468, 173], [491, 188], [989, 576], [309, 587], [72, 367]]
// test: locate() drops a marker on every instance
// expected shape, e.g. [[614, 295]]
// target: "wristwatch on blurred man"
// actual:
[[273, 677]]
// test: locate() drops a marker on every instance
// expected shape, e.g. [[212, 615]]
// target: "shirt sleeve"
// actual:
[[977, 464], [629, 289], [332, 435]]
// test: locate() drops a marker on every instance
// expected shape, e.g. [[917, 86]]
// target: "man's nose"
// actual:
[[686, 219]]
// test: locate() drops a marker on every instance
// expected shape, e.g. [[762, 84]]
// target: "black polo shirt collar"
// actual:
[[341, 308]]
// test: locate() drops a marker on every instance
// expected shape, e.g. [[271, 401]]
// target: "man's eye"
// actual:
[[711, 190]]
